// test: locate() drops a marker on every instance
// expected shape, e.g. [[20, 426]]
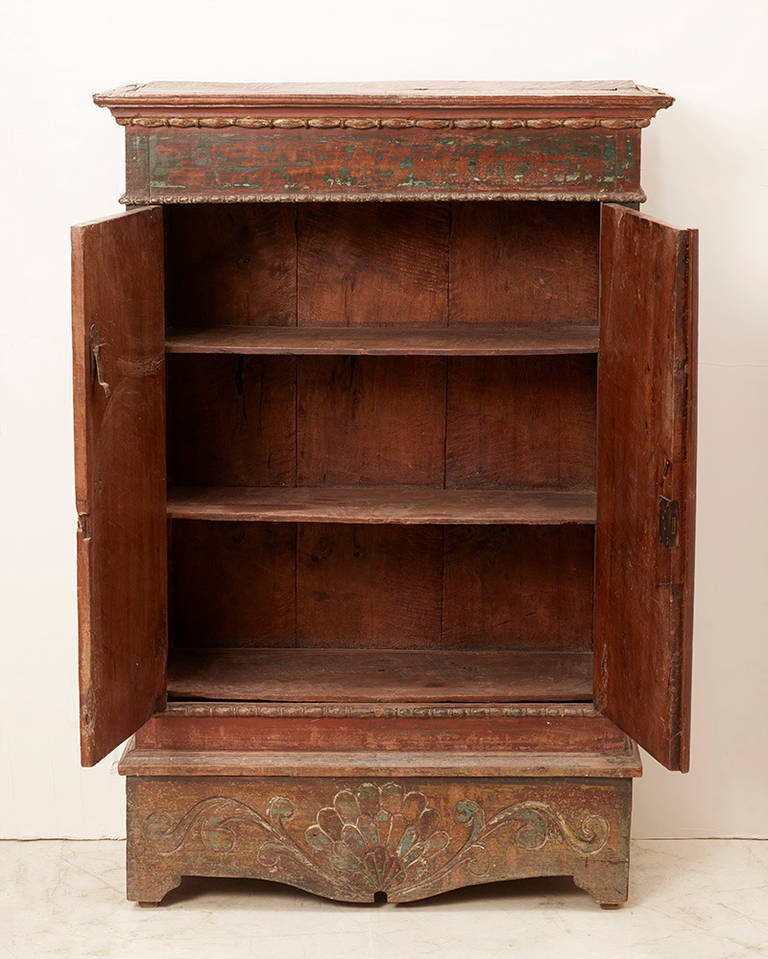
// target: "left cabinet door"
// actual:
[[119, 395]]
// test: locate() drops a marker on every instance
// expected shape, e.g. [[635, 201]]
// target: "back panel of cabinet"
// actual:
[[345, 422]]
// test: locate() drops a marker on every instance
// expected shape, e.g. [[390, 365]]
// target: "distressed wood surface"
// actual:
[[371, 421], [524, 263], [521, 422], [119, 402], [360, 265], [230, 263], [301, 764], [221, 432], [531, 339], [389, 727], [646, 481], [179, 164], [609, 97], [406, 675], [413, 269], [381, 586], [514, 587], [400, 505], [350, 838]]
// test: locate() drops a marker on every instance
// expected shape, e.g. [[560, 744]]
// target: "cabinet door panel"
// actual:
[[119, 394], [646, 483]]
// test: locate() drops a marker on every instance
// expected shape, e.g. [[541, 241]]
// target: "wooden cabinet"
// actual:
[[385, 436]]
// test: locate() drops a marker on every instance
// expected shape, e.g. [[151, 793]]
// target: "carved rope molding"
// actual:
[[374, 839], [394, 123]]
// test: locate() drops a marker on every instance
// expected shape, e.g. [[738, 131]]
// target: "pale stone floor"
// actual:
[[697, 899]]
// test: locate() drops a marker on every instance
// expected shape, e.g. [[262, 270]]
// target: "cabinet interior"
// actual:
[[381, 433]]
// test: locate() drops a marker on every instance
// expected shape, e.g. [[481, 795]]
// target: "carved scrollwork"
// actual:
[[375, 837]]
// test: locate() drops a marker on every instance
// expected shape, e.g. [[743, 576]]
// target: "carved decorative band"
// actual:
[[392, 123], [375, 838], [376, 711]]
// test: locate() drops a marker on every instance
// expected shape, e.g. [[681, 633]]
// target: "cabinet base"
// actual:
[[350, 839]]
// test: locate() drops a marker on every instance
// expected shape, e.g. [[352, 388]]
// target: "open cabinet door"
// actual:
[[119, 392], [646, 484]]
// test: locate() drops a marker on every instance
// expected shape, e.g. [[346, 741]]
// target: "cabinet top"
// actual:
[[567, 99]]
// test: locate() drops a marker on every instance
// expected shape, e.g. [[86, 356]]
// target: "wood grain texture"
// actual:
[[372, 265], [508, 587], [524, 263], [371, 421], [302, 764], [388, 586], [233, 584], [369, 586], [393, 675], [433, 833], [567, 732], [117, 334], [521, 422], [479, 340], [647, 444], [376, 505], [608, 96], [229, 263], [232, 420]]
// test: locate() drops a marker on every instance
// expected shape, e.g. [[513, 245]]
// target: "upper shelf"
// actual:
[[387, 341], [379, 504]]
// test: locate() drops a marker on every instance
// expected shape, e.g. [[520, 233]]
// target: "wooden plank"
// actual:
[[371, 421], [513, 587], [479, 340], [568, 732], [525, 422], [609, 97], [119, 402], [369, 586], [363, 265], [525, 263], [357, 675], [401, 505], [232, 420], [646, 481], [232, 582], [618, 764], [226, 261]]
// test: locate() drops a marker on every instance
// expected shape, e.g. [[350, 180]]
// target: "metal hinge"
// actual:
[[669, 522], [96, 356]]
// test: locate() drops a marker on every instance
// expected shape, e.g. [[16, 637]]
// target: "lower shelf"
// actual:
[[355, 675]]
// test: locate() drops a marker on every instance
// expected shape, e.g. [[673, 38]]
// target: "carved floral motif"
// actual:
[[376, 838]]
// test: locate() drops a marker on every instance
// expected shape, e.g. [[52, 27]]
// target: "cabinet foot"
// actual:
[[606, 882], [147, 886]]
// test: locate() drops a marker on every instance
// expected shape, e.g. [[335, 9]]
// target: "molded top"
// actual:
[[579, 98]]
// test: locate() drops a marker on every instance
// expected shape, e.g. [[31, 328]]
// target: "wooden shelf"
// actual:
[[375, 675], [396, 505], [388, 340]]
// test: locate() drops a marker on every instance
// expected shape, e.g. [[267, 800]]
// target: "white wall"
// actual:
[[705, 165]]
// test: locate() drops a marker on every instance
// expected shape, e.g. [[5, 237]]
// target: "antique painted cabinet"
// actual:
[[385, 436]]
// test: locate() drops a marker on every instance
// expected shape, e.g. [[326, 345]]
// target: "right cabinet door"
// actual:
[[646, 481]]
